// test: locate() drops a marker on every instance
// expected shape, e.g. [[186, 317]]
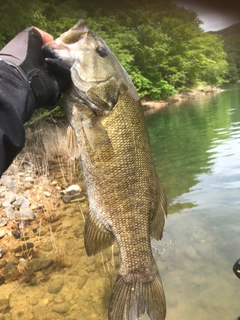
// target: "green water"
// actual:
[[196, 148]]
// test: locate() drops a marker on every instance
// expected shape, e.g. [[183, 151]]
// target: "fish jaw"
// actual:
[[67, 44]]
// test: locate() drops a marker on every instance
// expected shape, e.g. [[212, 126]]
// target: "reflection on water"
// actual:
[[196, 147]]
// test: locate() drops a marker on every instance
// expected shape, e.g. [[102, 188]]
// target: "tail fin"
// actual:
[[129, 301]]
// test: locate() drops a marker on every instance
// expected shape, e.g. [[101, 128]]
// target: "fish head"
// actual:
[[97, 74]]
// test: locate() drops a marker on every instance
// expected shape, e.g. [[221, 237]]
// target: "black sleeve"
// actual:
[[17, 104]]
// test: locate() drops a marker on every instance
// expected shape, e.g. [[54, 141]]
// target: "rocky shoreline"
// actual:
[[29, 206], [154, 106]]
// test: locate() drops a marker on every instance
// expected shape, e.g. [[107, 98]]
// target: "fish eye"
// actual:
[[101, 51]]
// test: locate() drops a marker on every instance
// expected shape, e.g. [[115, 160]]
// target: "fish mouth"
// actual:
[[81, 97]]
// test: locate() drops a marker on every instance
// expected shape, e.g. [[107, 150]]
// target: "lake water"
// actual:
[[196, 148]]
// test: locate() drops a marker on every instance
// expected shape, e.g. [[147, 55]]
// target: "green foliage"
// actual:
[[161, 46]]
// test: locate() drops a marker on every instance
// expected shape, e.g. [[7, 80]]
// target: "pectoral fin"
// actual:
[[97, 137], [158, 218], [96, 134], [72, 145], [96, 238]]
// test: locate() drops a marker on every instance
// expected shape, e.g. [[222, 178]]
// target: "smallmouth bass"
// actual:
[[126, 200]]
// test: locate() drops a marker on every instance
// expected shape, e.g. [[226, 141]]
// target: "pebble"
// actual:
[[6, 204], [25, 202], [61, 307], [23, 224], [10, 271], [72, 189], [33, 301], [58, 298], [55, 285], [20, 201], [47, 246], [82, 281], [3, 222], [41, 264], [2, 251], [2, 233], [10, 197], [16, 234], [23, 247], [25, 213], [2, 263], [4, 305], [9, 182], [47, 194], [2, 280], [29, 179], [9, 213]]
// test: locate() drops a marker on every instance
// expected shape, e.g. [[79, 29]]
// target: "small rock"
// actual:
[[6, 204], [28, 185], [2, 233], [23, 224], [21, 201], [72, 189], [4, 305], [25, 214], [25, 202], [58, 298], [2, 251], [2, 263], [47, 194], [9, 182], [3, 190], [2, 280], [23, 247], [61, 307], [40, 264], [16, 234], [47, 246], [55, 286], [10, 197], [13, 169], [10, 271], [33, 301], [82, 281], [3, 222], [10, 214], [29, 179], [54, 183]]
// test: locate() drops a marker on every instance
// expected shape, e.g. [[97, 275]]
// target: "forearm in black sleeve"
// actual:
[[17, 104]]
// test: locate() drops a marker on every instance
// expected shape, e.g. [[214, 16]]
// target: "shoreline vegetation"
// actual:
[[191, 94]]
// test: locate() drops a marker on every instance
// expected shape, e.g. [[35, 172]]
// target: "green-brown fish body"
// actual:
[[126, 200]]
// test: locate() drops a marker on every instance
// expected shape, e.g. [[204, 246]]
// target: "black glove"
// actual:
[[47, 73]]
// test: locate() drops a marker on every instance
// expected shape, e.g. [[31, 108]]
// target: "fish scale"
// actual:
[[127, 203]]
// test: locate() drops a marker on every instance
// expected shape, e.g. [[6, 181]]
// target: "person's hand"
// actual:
[[47, 73]]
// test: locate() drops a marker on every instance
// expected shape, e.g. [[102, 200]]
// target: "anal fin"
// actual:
[[96, 238]]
